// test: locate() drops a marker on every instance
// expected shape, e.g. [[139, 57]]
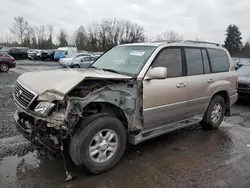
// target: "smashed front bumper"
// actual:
[[42, 137], [21, 127]]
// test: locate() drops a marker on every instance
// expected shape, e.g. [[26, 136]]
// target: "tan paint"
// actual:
[[62, 81]]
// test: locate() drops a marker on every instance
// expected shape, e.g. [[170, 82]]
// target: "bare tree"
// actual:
[[40, 32], [131, 32], [63, 38], [170, 36], [80, 38], [93, 40], [28, 37], [19, 28], [50, 29]]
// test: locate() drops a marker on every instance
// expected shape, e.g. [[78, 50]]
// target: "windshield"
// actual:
[[127, 60], [5, 49], [244, 71]]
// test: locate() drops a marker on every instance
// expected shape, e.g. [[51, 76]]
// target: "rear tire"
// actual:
[[98, 143], [4, 67], [214, 114]]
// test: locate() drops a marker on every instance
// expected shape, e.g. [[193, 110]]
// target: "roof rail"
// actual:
[[168, 41], [202, 42]]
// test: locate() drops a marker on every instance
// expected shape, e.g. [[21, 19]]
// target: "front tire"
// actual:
[[98, 143], [214, 114]]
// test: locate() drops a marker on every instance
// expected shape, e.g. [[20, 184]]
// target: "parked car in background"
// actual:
[[32, 54], [51, 53], [16, 52], [6, 62], [79, 62], [64, 52], [42, 55], [69, 59], [238, 62], [98, 54], [244, 81], [132, 93]]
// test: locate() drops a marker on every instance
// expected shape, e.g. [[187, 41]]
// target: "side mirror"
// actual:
[[157, 73]]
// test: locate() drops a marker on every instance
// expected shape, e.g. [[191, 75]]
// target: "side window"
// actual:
[[206, 62], [194, 61], [171, 59], [219, 60]]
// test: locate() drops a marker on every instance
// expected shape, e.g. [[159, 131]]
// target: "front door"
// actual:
[[165, 100]]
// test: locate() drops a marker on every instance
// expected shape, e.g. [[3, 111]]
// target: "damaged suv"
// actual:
[[132, 93]]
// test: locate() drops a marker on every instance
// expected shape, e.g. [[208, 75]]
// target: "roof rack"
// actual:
[[188, 41], [202, 42], [168, 41]]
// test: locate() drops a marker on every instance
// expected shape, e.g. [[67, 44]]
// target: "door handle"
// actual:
[[181, 85], [210, 80]]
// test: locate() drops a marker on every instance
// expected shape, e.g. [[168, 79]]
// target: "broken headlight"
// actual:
[[44, 108]]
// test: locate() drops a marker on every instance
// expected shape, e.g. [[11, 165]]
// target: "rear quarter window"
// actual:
[[219, 60]]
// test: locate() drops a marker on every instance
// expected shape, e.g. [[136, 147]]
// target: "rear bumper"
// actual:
[[12, 65], [244, 94], [233, 99]]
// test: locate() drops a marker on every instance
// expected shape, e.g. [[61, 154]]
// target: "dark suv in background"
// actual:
[[16, 52]]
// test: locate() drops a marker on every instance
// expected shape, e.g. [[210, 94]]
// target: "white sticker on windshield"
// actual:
[[136, 53]]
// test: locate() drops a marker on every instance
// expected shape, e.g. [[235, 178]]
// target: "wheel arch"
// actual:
[[224, 94], [108, 108]]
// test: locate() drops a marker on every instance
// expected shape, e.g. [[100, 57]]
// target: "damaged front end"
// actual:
[[49, 119]]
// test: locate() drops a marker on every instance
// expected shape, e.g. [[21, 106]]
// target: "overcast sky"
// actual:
[[205, 19]]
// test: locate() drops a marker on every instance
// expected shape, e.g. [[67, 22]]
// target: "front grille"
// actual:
[[23, 96]]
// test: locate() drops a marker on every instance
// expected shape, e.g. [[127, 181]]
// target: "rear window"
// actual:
[[219, 60]]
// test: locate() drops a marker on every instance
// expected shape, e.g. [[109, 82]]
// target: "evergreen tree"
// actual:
[[233, 41]]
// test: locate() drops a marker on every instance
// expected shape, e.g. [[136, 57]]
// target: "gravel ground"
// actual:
[[188, 158]]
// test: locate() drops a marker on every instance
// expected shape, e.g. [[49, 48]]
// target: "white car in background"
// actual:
[[79, 62], [69, 59]]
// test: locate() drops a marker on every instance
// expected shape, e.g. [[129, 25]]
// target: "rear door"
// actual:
[[222, 77], [199, 80], [165, 100]]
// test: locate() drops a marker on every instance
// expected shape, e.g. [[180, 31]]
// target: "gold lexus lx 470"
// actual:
[[132, 93]]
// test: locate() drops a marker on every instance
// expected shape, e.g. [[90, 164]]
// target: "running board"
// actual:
[[158, 131]]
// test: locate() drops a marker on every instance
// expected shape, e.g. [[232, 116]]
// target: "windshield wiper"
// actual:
[[111, 70]]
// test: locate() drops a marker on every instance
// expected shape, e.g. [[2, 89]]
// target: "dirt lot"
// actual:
[[187, 158]]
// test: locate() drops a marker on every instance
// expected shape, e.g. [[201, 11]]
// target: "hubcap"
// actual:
[[216, 113], [3, 67], [103, 146]]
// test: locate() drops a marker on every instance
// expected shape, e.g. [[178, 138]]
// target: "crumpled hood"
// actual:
[[63, 80]]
